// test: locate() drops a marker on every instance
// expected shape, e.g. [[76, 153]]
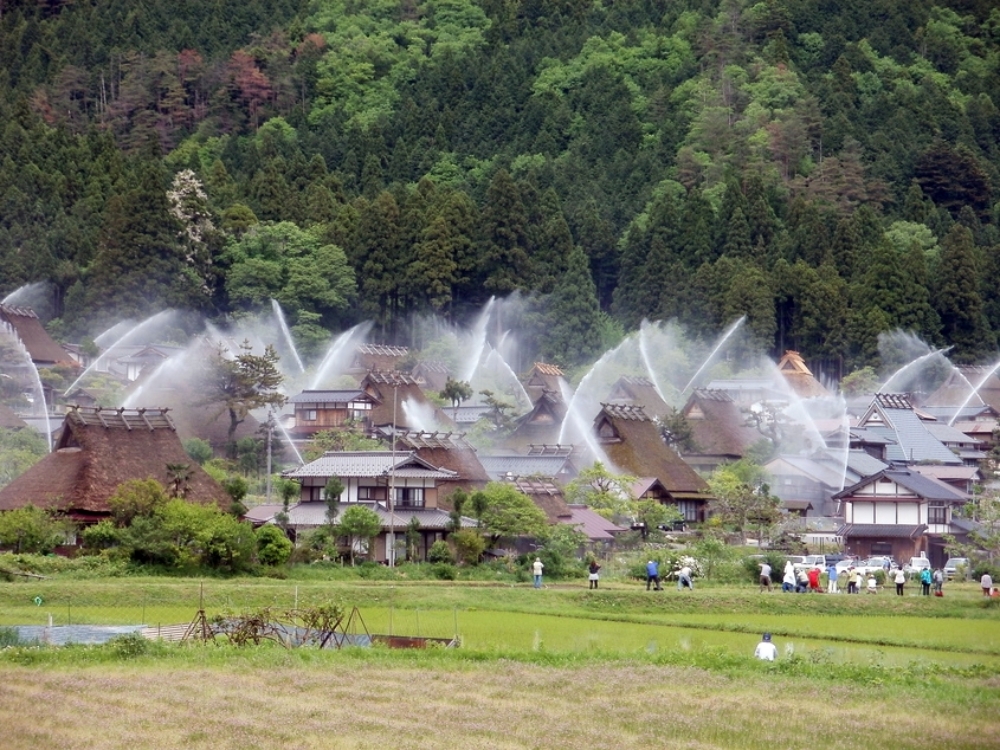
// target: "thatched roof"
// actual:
[[717, 424], [449, 451], [378, 357], [541, 425], [9, 420], [100, 449], [632, 442], [639, 391], [546, 495], [799, 377], [386, 386], [30, 331], [542, 377]]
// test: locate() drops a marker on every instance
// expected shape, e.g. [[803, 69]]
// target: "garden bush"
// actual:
[[440, 552]]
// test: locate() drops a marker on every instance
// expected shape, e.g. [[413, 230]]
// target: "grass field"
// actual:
[[558, 668]]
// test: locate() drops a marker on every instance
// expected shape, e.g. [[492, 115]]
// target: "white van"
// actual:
[[917, 564]]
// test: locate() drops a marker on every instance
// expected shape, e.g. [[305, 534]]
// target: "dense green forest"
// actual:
[[830, 169]]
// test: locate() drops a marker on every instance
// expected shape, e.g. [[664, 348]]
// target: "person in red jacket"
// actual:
[[813, 579]]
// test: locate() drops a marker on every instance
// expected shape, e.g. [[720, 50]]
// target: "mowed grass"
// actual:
[[338, 700], [557, 668]]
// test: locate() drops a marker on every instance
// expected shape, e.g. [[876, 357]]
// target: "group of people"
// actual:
[[684, 579]]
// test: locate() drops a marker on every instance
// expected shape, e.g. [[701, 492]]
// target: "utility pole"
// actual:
[[390, 538], [270, 428]]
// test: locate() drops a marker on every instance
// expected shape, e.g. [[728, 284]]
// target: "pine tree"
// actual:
[[504, 243], [959, 303], [573, 336]]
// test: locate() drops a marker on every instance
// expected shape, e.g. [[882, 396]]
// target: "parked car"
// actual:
[[810, 561], [953, 564], [873, 564], [916, 565], [846, 564]]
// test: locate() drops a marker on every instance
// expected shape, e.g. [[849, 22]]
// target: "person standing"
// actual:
[[684, 578], [938, 579], [900, 579], [925, 581], [765, 576], [987, 583], [537, 567], [766, 650], [831, 574], [595, 574], [653, 575], [813, 576]]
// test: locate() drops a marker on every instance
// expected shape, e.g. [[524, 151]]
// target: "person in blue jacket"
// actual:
[[653, 575], [925, 581]]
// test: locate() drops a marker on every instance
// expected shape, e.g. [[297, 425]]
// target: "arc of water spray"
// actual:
[[280, 315], [478, 340], [645, 359], [975, 392], [732, 329], [111, 348], [884, 388]]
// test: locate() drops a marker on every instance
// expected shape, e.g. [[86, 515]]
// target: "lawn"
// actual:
[[560, 667]]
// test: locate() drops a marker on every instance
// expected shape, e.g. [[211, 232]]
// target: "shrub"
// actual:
[[273, 547], [9, 637], [469, 546], [129, 646], [445, 571], [773, 558], [440, 552]]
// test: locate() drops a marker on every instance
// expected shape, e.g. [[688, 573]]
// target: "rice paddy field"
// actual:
[[561, 667]]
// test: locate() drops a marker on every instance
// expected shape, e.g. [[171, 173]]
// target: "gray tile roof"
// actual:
[[925, 487], [370, 464], [881, 531], [914, 442], [327, 397]]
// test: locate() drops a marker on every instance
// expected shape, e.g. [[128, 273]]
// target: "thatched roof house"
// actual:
[[799, 377], [377, 357], [401, 402], [638, 391], [450, 451], [632, 442], [541, 425], [541, 378], [98, 450], [29, 330], [718, 427]]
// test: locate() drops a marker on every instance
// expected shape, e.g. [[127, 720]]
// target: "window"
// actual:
[[689, 510], [409, 497], [309, 415], [937, 513]]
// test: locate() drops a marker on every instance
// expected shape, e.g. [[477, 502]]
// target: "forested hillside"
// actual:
[[829, 169]]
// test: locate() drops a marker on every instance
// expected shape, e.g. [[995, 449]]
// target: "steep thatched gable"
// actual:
[[632, 442], [29, 330], [98, 450]]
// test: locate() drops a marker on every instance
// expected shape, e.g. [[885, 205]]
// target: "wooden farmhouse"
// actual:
[[633, 444], [317, 411], [399, 486], [99, 449], [901, 513]]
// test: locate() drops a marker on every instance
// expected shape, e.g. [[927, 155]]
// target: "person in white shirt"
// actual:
[[765, 649], [900, 579], [537, 567]]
